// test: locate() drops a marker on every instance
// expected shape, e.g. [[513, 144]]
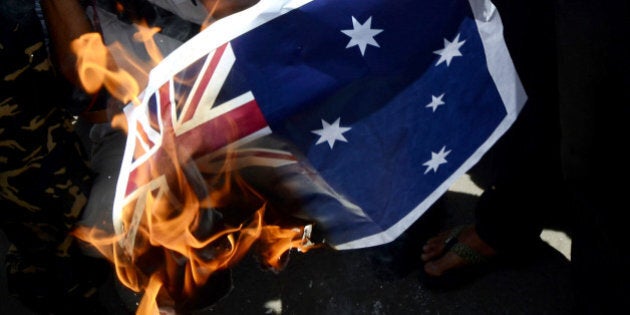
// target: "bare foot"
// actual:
[[437, 262]]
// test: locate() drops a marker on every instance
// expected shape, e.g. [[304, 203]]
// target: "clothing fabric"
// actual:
[[561, 165], [44, 175], [521, 175], [594, 91]]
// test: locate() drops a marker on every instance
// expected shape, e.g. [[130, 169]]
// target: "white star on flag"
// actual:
[[450, 51], [436, 160], [362, 35], [331, 133], [436, 101]]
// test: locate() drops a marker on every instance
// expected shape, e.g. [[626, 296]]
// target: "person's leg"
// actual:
[[525, 163], [595, 107], [522, 170]]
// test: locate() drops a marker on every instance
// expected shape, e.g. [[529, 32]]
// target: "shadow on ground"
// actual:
[[385, 280]]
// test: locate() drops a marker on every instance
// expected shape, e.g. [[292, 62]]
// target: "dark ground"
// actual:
[[380, 280]]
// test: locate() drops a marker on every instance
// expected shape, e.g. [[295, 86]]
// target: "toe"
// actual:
[[439, 266], [434, 247], [431, 251]]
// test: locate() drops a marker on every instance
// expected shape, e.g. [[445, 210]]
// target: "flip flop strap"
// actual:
[[462, 250], [468, 254], [451, 240]]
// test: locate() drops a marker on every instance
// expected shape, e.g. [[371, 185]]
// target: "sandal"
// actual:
[[467, 262]]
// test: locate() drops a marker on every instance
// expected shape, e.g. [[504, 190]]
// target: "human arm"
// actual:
[[66, 21]]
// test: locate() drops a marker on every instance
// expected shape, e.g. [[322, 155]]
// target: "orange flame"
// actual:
[[96, 70], [182, 237]]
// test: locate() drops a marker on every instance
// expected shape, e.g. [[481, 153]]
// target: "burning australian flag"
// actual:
[[355, 115]]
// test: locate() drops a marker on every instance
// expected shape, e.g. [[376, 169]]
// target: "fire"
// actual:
[[189, 229], [96, 69]]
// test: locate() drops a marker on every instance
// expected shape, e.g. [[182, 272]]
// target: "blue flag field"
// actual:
[[364, 112]]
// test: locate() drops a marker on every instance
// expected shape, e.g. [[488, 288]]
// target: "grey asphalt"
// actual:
[[379, 280]]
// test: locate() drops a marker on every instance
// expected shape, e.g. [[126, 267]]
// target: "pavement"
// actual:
[[380, 280]]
